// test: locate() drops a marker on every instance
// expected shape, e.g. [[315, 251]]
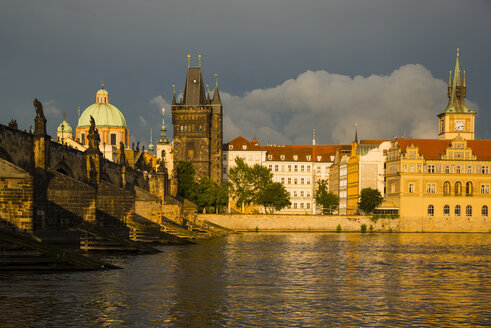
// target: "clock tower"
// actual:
[[457, 118]]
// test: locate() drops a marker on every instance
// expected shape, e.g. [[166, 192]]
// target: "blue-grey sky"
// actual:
[[284, 66]]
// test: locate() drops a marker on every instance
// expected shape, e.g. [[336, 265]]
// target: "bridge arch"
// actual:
[[63, 168], [5, 155]]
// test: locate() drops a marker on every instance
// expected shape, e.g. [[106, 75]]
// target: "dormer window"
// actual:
[[230, 147], [244, 147], [270, 157], [295, 157], [282, 157], [309, 157], [319, 158]]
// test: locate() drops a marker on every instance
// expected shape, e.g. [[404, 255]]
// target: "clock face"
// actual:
[[459, 125]]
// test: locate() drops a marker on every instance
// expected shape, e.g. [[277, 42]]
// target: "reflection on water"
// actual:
[[269, 280]]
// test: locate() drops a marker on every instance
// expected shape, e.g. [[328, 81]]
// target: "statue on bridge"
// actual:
[[39, 120], [122, 156], [93, 136], [13, 124], [38, 107]]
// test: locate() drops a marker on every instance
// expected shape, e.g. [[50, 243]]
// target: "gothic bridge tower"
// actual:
[[457, 118], [198, 127]]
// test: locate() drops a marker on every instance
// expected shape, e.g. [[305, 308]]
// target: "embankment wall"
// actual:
[[278, 222]]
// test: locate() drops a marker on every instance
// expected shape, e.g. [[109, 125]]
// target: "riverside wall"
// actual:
[[328, 223]]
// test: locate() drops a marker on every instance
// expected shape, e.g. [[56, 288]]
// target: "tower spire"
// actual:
[[356, 132], [173, 94], [457, 90], [313, 136]]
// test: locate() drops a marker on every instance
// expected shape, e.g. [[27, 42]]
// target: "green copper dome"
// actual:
[[64, 127], [103, 113], [102, 92]]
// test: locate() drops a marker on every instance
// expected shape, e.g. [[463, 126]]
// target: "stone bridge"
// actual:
[[64, 195]]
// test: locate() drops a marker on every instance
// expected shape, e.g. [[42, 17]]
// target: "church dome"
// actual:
[[103, 113], [64, 127]]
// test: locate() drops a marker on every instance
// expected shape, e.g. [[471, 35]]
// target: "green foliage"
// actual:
[[370, 228], [273, 196], [186, 180], [369, 200], [327, 200], [254, 185], [338, 228], [363, 228], [206, 193]]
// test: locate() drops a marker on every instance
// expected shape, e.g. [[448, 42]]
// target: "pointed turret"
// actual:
[[194, 91], [173, 94], [356, 133], [457, 90]]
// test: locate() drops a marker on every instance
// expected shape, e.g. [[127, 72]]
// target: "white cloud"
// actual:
[[405, 102], [160, 102], [143, 121], [50, 109]]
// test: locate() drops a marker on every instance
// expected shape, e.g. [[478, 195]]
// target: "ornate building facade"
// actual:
[[198, 127]]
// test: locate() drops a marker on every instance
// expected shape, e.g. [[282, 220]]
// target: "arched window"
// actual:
[[446, 188], [468, 210], [468, 188], [446, 210], [457, 210], [458, 188], [431, 210], [484, 210]]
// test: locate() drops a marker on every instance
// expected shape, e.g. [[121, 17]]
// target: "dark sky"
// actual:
[[284, 66]]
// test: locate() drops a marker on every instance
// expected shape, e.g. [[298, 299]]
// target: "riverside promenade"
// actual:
[[333, 223]]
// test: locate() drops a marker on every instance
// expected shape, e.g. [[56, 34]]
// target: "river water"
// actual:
[[269, 280]]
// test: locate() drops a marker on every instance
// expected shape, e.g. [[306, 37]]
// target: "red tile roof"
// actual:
[[433, 148]]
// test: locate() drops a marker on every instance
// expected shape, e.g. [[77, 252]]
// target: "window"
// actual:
[[308, 180], [200, 128], [430, 188], [294, 193], [282, 168], [244, 147], [301, 168], [230, 147], [282, 157], [446, 210], [411, 168], [431, 168], [469, 169], [295, 168], [289, 168], [468, 188], [270, 167], [484, 189], [457, 169], [307, 205], [309, 157], [276, 168], [83, 139], [431, 210], [283, 180], [447, 169], [295, 181], [458, 188], [289, 180], [294, 205], [484, 210], [411, 187], [484, 170], [308, 193], [295, 157], [457, 210], [270, 157], [308, 168], [468, 210], [302, 180], [301, 205], [301, 193], [113, 139], [446, 188]]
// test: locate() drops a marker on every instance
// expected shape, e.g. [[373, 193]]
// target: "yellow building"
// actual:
[[353, 180], [441, 178]]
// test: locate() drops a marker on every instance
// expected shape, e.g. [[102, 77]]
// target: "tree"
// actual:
[[210, 195], [327, 200], [273, 197], [369, 200], [186, 180], [239, 182]]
